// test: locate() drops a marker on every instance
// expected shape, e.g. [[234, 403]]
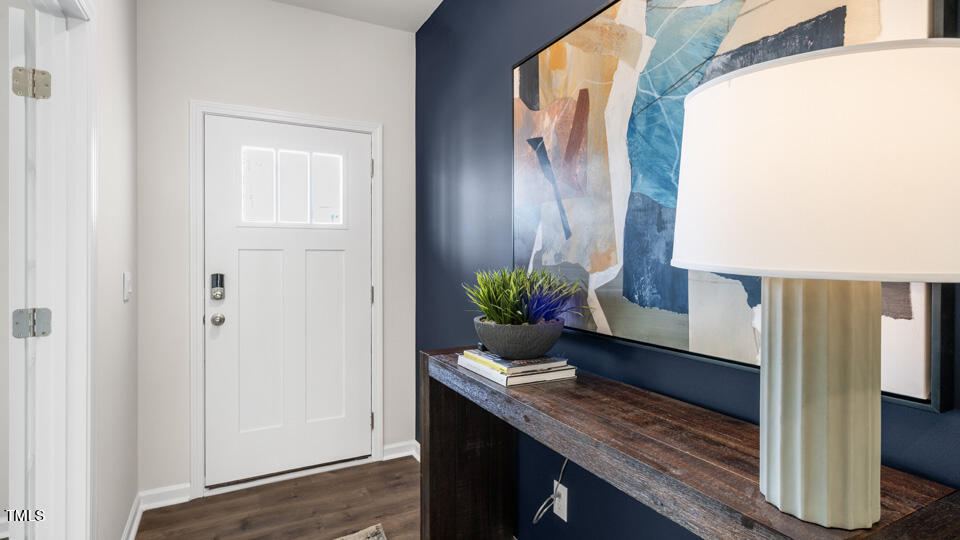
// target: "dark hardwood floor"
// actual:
[[321, 506]]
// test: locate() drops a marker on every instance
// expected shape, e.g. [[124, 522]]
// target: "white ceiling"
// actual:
[[401, 14]]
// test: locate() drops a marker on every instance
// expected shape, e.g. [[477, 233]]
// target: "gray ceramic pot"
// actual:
[[518, 341]]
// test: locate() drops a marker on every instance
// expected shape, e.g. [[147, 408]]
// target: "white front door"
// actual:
[[288, 347]]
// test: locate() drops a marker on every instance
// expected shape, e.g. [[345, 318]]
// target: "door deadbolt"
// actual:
[[216, 286], [217, 319]]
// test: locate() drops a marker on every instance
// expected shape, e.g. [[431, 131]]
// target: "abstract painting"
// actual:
[[598, 119]]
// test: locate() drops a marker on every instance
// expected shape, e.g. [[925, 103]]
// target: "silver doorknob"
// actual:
[[217, 319]]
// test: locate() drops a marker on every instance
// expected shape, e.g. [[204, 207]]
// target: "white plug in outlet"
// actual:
[[560, 503]]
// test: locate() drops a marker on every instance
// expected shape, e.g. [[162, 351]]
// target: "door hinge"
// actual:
[[31, 83], [371, 168], [371, 294], [371, 420], [31, 322]]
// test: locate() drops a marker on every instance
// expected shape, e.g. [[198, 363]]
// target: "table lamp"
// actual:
[[825, 173]]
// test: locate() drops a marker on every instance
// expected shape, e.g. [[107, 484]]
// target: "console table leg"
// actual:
[[467, 468]]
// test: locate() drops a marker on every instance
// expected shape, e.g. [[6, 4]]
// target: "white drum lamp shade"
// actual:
[[824, 173], [838, 164]]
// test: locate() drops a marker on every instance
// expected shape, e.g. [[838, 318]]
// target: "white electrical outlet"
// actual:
[[560, 503]]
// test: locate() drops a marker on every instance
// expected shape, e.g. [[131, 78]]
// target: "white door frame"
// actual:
[[198, 111], [67, 130], [70, 9]]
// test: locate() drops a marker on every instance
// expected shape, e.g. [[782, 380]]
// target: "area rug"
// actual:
[[370, 533]]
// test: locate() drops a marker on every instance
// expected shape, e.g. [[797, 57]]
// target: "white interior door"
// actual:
[[48, 268], [288, 347]]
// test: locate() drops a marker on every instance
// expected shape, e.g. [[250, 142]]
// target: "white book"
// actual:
[[568, 372]]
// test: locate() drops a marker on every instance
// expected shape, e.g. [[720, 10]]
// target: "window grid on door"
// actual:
[[281, 186]]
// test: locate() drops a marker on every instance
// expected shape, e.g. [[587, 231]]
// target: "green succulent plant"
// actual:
[[515, 296]]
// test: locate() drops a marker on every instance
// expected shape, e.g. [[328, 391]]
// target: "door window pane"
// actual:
[[259, 198], [326, 179], [293, 190]]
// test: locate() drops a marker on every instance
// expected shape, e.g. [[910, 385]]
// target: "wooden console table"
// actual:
[[696, 467]]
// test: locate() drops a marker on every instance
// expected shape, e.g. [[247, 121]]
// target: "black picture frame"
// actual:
[[943, 302]]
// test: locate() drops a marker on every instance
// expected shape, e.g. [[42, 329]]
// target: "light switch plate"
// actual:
[[127, 286]]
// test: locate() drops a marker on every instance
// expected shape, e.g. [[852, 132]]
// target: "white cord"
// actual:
[[542, 511]]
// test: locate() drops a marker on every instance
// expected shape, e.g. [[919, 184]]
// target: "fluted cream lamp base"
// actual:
[[820, 400]]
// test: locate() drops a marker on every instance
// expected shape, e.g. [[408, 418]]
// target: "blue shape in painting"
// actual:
[[686, 39], [648, 278]]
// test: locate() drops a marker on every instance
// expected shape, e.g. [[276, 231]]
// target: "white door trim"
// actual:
[[71, 9], [198, 110]]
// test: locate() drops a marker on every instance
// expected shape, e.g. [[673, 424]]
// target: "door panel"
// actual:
[[326, 336], [261, 318], [288, 223]]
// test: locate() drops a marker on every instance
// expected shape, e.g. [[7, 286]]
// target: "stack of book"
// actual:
[[514, 372]]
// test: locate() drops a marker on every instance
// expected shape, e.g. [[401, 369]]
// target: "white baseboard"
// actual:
[[164, 496], [150, 499], [402, 449], [133, 520]]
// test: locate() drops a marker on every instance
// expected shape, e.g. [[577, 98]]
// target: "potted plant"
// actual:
[[521, 310]]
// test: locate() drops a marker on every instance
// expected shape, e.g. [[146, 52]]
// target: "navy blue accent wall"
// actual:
[[465, 53], [596, 509]]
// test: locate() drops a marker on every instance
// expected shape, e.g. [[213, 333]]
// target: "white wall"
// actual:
[[263, 54], [115, 339]]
